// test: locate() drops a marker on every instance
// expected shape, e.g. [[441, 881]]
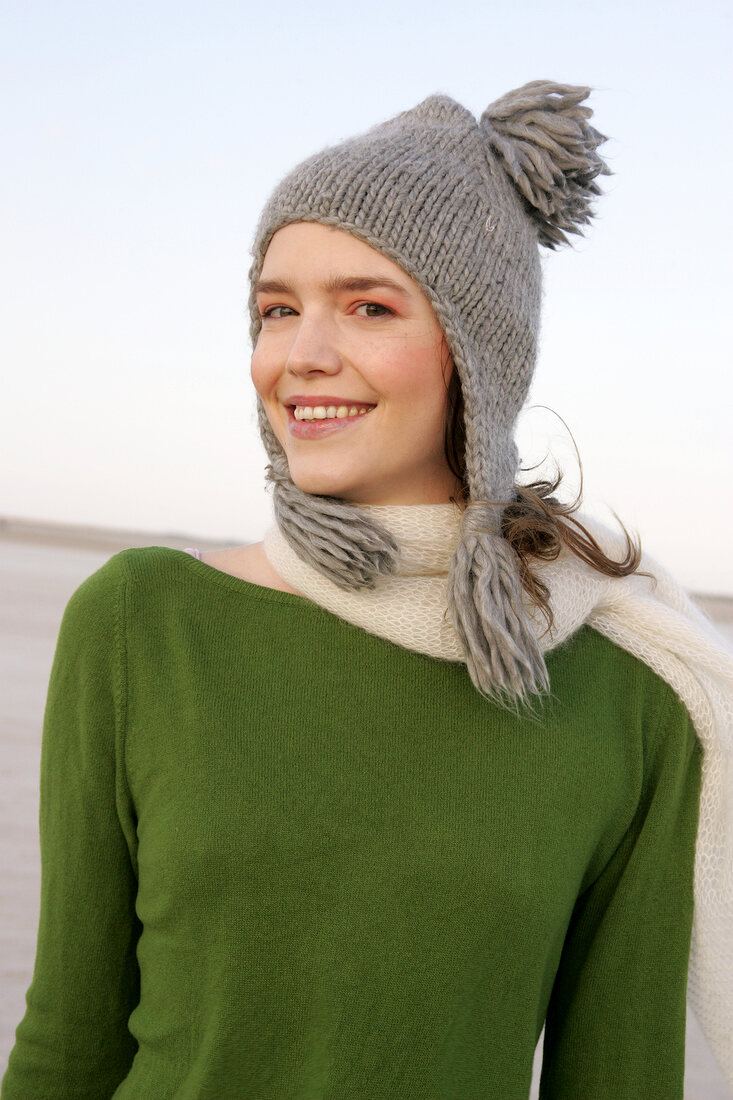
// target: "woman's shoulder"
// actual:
[[247, 563], [619, 681], [146, 588], [591, 669], [147, 575], [138, 568]]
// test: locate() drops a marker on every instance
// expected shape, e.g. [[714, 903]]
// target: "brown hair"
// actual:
[[535, 523]]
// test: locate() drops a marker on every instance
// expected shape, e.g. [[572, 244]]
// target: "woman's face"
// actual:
[[344, 329]]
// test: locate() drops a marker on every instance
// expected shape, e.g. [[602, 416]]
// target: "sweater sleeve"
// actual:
[[615, 1026], [73, 1041]]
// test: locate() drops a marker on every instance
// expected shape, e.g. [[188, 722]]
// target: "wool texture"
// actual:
[[461, 205], [652, 618]]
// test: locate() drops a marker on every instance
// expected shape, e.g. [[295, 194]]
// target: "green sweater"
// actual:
[[284, 858]]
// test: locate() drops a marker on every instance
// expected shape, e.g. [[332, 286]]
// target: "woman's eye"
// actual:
[[374, 309], [272, 311]]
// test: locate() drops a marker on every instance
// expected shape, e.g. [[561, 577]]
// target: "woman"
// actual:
[[354, 811]]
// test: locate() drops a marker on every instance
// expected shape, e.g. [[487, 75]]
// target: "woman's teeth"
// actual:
[[327, 412]]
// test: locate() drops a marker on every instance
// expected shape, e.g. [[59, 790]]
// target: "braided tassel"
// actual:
[[502, 653], [335, 537]]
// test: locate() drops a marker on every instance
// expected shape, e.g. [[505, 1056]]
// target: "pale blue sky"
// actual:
[[140, 141]]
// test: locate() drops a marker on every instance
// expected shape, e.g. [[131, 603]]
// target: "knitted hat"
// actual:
[[461, 206]]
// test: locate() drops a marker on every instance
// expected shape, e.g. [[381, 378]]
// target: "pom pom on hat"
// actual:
[[541, 136]]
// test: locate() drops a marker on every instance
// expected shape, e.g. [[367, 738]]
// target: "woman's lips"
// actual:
[[318, 429]]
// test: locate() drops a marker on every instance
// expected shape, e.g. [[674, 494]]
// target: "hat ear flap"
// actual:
[[540, 135]]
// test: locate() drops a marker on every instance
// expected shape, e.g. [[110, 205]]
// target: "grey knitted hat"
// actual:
[[461, 205]]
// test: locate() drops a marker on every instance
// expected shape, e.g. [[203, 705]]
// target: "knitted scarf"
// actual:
[[658, 624]]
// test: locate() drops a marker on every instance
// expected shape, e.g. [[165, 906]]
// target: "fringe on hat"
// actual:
[[542, 138], [502, 652], [335, 537]]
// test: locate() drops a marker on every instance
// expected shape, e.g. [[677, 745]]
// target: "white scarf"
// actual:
[[661, 626]]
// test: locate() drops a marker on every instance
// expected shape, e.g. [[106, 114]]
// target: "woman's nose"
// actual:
[[313, 349]]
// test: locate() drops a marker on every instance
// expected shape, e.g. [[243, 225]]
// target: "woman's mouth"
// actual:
[[317, 421]]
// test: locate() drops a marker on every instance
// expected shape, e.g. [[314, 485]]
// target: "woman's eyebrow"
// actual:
[[336, 283]]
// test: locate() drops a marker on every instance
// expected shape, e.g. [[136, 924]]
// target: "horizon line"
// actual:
[[90, 536]]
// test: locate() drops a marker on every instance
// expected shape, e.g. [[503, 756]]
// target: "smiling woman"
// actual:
[[382, 363], [356, 811]]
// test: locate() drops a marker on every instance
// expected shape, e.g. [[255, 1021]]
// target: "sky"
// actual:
[[141, 141]]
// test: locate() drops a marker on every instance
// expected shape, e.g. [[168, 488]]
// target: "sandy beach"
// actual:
[[40, 567]]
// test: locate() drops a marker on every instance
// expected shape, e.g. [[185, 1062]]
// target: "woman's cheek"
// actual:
[[418, 370], [263, 376]]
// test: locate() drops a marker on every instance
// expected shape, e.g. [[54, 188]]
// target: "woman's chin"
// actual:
[[321, 486]]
